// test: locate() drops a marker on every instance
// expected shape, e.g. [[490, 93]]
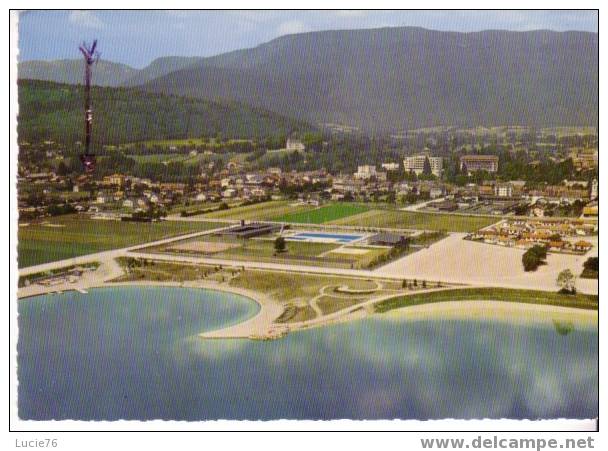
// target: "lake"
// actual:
[[131, 352]]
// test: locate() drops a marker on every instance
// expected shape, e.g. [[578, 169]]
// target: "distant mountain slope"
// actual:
[[54, 111], [401, 78], [160, 67], [106, 73]]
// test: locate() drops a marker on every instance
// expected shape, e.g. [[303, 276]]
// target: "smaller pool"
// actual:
[[325, 237]]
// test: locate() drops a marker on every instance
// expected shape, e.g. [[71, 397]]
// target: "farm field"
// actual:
[[412, 220], [259, 212], [323, 214], [72, 235]]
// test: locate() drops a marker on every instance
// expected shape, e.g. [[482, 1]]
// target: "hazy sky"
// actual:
[[137, 37]]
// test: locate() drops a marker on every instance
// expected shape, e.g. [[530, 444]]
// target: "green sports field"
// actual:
[[396, 219], [259, 212], [73, 235], [323, 214]]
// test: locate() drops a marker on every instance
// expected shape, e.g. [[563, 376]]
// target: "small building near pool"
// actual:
[[388, 239], [251, 230]]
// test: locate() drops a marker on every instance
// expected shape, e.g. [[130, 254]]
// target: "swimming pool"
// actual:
[[325, 237]]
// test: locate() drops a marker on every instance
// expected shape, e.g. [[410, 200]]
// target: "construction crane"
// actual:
[[91, 56]]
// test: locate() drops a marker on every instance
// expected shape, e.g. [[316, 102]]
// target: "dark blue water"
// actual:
[[132, 353]]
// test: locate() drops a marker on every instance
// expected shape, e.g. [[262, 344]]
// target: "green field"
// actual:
[[78, 235], [583, 301], [412, 220], [263, 250], [323, 214], [167, 157], [259, 212], [352, 214], [189, 142]]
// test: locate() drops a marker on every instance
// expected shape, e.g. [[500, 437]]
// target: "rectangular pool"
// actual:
[[325, 237]]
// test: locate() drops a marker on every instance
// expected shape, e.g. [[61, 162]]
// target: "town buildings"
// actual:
[[561, 236], [415, 164], [365, 172], [295, 145], [472, 163]]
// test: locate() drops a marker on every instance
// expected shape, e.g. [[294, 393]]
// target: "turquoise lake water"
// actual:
[[132, 353]]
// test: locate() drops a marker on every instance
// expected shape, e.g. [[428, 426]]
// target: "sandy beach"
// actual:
[[494, 311]]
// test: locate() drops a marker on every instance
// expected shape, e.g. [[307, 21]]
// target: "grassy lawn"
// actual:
[[412, 220], [583, 301], [262, 250], [330, 304], [259, 212], [80, 235], [189, 142], [323, 214], [253, 249], [296, 314], [159, 271], [169, 158], [288, 287], [362, 260]]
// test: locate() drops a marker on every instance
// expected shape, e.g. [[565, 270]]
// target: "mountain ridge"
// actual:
[[398, 78]]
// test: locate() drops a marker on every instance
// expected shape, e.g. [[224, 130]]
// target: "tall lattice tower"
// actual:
[[91, 56]]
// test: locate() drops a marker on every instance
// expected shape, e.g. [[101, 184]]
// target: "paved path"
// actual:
[[451, 260], [416, 207], [107, 255]]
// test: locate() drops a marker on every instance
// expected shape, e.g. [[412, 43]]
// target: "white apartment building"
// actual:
[[390, 166], [503, 190], [416, 163], [365, 172], [295, 144]]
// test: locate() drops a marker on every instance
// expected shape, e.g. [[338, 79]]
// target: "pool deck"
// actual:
[[329, 238]]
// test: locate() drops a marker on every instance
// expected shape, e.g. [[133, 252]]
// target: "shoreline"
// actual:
[[502, 311], [262, 325]]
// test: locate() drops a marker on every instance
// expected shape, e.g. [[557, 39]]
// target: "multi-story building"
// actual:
[[474, 163], [594, 188], [365, 172], [415, 163], [114, 179], [503, 190], [584, 159], [295, 144], [390, 166]]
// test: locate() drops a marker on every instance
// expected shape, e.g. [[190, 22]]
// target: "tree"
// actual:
[[539, 251], [279, 244], [566, 282], [426, 169], [592, 264], [464, 170], [62, 169], [532, 258]]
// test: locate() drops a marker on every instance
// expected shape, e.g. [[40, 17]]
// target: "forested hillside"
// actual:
[[51, 111]]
